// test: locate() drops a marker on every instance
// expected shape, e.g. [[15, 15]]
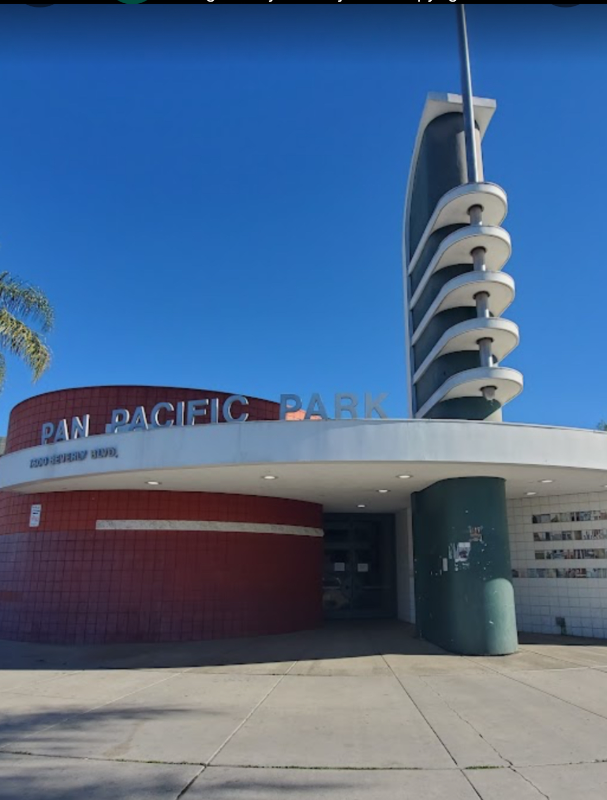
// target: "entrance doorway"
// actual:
[[359, 578]]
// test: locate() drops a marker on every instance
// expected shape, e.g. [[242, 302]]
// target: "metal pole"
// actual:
[[468, 97]]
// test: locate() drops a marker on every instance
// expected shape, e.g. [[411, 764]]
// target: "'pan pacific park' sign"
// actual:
[[234, 410]]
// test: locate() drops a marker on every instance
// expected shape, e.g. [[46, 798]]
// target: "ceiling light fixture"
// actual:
[[153, 483], [270, 478], [383, 491], [531, 494], [547, 481], [404, 477], [362, 505]]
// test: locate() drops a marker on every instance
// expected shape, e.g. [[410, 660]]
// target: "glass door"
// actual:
[[359, 567]]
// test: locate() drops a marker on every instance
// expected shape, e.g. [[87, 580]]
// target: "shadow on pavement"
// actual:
[[559, 640], [340, 640], [333, 641]]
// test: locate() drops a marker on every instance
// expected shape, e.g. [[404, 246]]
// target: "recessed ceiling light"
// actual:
[[404, 477], [270, 478], [154, 483], [383, 491], [547, 481], [531, 494], [362, 505]]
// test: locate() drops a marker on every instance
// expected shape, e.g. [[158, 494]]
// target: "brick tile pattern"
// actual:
[[65, 582]]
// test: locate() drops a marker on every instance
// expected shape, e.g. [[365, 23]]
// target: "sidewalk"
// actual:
[[356, 711]]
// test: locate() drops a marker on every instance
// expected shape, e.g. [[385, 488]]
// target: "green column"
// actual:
[[463, 575]]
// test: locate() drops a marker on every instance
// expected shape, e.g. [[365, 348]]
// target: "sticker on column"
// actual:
[[35, 514], [476, 534], [363, 568], [339, 567], [461, 555]]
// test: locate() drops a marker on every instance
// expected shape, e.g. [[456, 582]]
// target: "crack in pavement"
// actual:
[[295, 767], [466, 722], [419, 711], [471, 785], [98, 759], [237, 730], [511, 677], [249, 715], [189, 785], [530, 782], [290, 767]]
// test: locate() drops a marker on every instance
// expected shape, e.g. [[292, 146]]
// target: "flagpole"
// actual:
[[468, 97]]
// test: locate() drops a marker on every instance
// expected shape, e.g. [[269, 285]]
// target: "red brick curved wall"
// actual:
[[67, 582], [27, 419]]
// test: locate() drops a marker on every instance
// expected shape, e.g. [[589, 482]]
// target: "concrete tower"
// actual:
[[455, 293]]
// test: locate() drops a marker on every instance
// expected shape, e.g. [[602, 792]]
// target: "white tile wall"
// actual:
[[539, 601]]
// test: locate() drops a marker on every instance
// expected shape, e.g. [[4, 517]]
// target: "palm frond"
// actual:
[[18, 339], [24, 300], [2, 371]]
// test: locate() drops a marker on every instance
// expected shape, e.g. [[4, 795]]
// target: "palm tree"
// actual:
[[21, 307]]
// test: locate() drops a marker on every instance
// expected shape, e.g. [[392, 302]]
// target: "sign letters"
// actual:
[[189, 413]]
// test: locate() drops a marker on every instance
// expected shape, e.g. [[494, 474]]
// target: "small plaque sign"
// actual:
[[35, 514]]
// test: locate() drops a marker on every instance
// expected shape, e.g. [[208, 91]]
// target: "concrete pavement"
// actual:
[[357, 711]]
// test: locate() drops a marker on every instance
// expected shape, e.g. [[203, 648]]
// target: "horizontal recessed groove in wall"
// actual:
[[204, 526]]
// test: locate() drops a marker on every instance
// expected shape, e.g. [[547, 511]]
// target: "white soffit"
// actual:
[[339, 464]]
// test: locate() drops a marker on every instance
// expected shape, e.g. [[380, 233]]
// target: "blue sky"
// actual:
[[212, 196]]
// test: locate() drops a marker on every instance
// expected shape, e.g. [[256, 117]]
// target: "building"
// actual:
[[147, 514]]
